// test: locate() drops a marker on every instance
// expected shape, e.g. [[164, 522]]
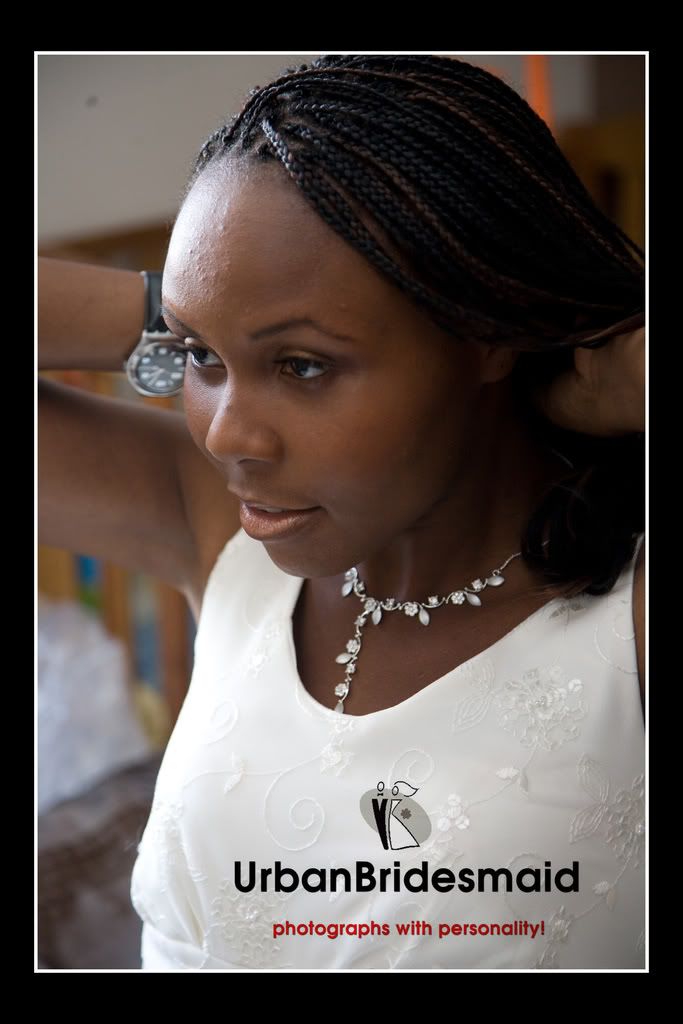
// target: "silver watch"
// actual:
[[156, 366]]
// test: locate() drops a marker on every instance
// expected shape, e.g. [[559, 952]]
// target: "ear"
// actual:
[[496, 363]]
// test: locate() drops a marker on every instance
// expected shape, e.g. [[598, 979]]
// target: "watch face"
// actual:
[[160, 368]]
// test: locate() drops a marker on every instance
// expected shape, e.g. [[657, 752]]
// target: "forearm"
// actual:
[[89, 317]]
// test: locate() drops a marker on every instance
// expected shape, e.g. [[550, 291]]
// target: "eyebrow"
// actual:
[[263, 331]]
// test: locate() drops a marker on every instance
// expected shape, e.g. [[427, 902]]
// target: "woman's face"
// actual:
[[370, 422]]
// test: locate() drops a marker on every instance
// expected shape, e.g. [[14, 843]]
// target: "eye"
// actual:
[[297, 361], [198, 355]]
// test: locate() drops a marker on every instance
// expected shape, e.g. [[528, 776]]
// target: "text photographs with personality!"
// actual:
[[401, 823]]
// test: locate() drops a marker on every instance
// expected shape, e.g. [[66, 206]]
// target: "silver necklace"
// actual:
[[373, 610]]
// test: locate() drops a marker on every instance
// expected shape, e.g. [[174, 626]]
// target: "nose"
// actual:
[[240, 429]]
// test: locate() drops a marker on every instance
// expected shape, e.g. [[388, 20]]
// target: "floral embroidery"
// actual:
[[450, 821], [510, 773], [558, 929], [256, 662], [472, 708], [626, 823], [241, 926], [541, 708], [163, 836], [560, 923], [333, 759], [342, 723], [454, 815], [262, 654], [623, 817], [607, 890], [162, 841]]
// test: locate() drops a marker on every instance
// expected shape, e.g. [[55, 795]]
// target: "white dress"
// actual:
[[529, 755]]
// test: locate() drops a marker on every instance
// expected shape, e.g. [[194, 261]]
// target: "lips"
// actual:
[[261, 525], [271, 508], [268, 505]]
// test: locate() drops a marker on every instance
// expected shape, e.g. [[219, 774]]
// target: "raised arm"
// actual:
[[89, 317], [118, 480]]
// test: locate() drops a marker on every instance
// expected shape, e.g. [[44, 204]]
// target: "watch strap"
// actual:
[[155, 333], [153, 320]]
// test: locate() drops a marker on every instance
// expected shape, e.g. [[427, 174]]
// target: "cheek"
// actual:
[[422, 455], [422, 432], [398, 461], [199, 413]]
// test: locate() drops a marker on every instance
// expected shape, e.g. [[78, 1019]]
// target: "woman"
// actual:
[[383, 269]]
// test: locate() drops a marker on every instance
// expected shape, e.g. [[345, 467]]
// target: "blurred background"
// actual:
[[117, 138]]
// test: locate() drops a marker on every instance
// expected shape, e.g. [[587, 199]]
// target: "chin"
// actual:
[[311, 560]]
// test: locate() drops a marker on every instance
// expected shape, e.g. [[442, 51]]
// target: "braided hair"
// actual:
[[451, 185]]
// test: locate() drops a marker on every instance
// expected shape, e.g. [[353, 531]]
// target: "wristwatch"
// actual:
[[156, 366]]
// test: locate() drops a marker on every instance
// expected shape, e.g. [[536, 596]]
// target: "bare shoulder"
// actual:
[[212, 515], [639, 615]]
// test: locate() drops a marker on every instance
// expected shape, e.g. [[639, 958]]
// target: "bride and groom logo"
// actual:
[[399, 820]]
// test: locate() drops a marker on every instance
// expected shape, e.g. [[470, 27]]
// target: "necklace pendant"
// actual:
[[495, 581]]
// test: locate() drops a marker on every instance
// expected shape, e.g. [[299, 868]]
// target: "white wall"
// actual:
[[117, 134]]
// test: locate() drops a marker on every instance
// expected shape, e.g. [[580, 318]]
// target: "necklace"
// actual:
[[373, 610]]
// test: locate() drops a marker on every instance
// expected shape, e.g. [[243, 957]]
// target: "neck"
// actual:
[[475, 526]]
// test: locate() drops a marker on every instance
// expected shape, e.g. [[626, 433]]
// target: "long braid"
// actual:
[[451, 185]]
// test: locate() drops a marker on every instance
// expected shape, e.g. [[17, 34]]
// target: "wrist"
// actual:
[[155, 368]]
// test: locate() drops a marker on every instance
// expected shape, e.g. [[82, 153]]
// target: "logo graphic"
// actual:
[[399, 820]]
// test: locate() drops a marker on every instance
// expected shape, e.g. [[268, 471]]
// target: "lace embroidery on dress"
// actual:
[[244, 921], [162, 842], [542, 708], [623, 832]]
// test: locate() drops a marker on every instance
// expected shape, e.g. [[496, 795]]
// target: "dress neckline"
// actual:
[[305, 698]]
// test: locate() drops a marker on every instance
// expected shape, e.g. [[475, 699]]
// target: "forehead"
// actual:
[[247, 240]]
